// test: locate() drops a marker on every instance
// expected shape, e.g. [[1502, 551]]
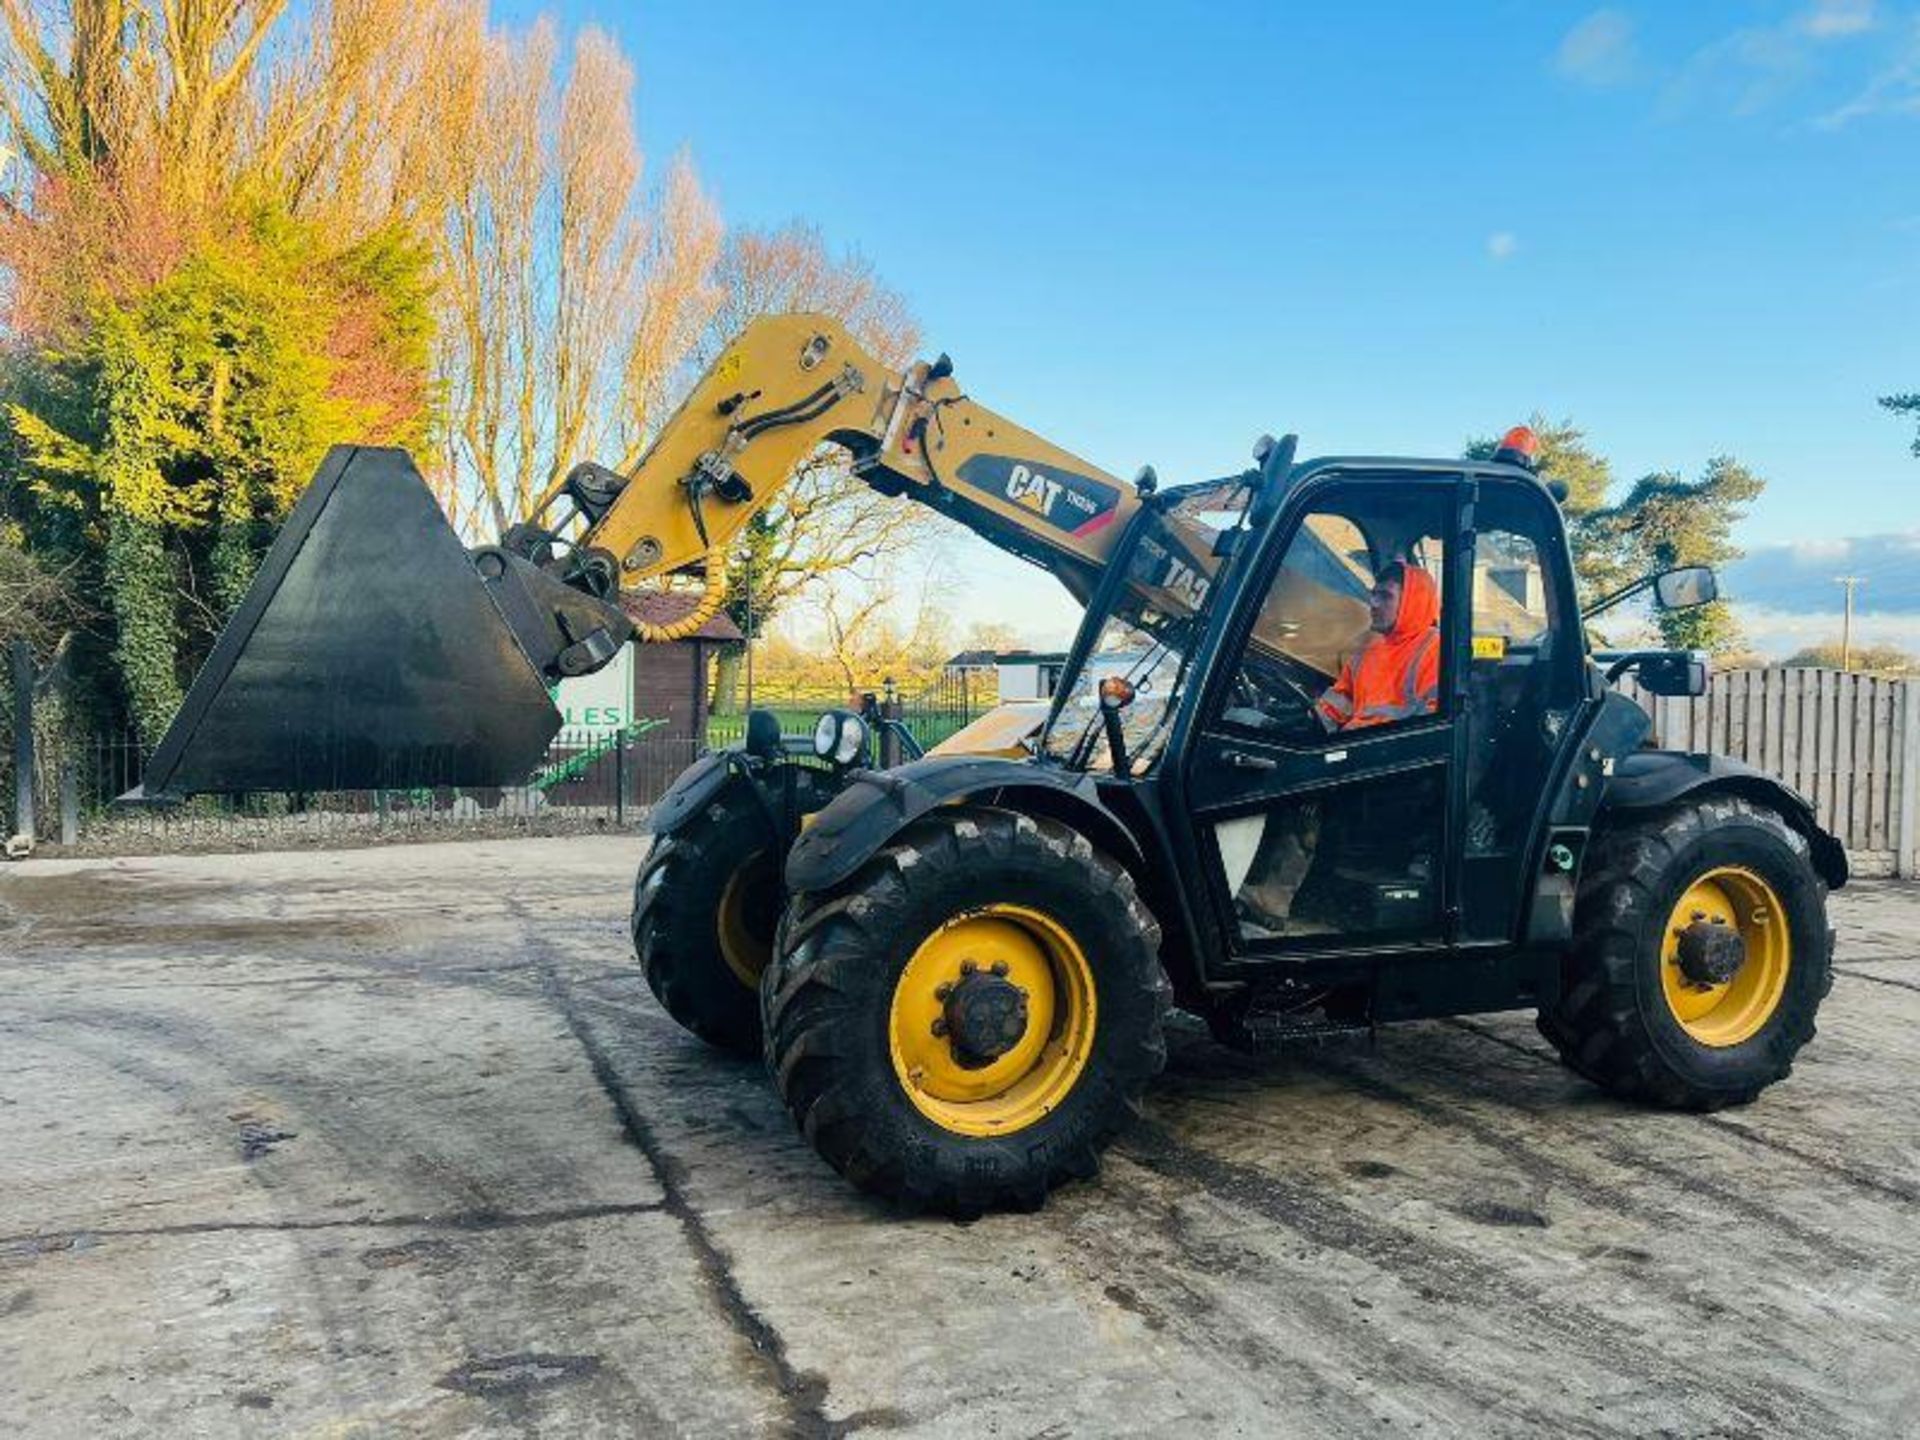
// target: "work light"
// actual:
[[840, 736]]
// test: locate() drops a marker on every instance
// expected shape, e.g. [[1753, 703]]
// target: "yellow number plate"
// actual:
[[1489, 647]]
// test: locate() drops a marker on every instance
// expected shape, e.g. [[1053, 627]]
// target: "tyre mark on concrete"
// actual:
[[1322, 1219], [1850, 973], [1548, 1171], [1839, 1169], [1533, 1052], [1852, 1175], [462, 1221], [802, 1394], [1334, 1317]]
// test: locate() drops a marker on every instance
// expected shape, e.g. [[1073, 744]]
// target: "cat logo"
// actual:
[[1185, 584], [1029, 488]]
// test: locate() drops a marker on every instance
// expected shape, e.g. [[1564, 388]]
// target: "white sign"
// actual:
[[600, 703]]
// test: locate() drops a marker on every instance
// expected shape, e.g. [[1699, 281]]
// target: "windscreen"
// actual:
[[1150, 634]]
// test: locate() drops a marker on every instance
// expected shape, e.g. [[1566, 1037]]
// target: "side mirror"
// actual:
[[1685, 588], [1675, 675]]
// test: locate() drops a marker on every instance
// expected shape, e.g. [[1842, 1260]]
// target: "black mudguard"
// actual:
[[1649, 779], [878, 804], [690, 793]]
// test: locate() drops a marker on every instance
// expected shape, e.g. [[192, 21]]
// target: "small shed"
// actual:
[[670, 676], [1023, 674]]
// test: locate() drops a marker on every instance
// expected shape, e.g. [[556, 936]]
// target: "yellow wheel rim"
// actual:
[[742, 946], [1023, 1085], [1727, 1014]]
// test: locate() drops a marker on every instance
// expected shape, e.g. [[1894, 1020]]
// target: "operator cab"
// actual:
[[1314, 827], [1335, 755]]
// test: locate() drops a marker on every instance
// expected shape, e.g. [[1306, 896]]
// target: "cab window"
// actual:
[[1348, 637]]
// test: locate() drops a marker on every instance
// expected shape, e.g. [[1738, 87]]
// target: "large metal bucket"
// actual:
[[369, 654]]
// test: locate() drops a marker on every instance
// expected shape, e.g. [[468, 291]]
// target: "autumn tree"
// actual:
[[1864, 659], [873, 629], [995, 635], [570, 292], [192, 317]]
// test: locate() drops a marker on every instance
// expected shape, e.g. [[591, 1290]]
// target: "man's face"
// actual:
[[1383, 604]]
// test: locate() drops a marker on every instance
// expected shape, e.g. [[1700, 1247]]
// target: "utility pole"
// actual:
[[1846, 625]]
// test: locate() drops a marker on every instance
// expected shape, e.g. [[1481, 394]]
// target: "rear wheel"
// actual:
[[973, 1017], [705, 905], [1701, 954]]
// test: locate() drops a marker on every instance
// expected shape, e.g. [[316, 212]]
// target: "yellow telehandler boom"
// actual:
[[374, 651], [792, 382]]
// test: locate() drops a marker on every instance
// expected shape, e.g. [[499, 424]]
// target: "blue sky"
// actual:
[[1152, 232]]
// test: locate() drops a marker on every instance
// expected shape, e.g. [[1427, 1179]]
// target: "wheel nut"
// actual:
[[943, 990], [940, 1026], [967, 967], [999, 967]]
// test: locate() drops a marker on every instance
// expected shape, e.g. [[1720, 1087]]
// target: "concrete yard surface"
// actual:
[[395, 1142]]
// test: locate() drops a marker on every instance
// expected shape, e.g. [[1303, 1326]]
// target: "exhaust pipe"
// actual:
[[374, 651]]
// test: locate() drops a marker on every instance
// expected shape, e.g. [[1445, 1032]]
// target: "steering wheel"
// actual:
[[1247, 700]]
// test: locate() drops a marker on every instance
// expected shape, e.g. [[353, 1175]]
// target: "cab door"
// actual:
[[1314, 838], [1523, 683]]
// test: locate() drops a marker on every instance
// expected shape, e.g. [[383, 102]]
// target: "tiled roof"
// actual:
[[650, 607]]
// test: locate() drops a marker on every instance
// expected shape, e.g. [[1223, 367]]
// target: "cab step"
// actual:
[[1267, 1032]]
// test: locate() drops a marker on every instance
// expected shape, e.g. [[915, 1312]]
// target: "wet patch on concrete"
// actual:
[[1492, 1212], [429, 1257], [259, 1137], [1129, 1300], [26, 1247], [517, 1374]]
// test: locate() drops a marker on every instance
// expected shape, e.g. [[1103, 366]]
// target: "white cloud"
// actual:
[[1741, 73], [1798, 577], [1599, 51], [1837, 19], [1753, 68], [1501, 245], [1895, 90], [1778, 633]]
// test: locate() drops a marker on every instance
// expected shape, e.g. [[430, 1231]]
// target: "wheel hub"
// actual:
[[1726, 956], [1710, 951], [992, 1020], [985, 1016]]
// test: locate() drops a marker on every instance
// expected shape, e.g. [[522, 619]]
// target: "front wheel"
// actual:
[[971, 1018], [705, 905], [1700, 957]]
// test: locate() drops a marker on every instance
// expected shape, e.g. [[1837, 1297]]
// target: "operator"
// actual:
[[1396, 674]]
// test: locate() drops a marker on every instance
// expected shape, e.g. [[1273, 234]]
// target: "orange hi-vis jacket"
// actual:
[[1395, 675]]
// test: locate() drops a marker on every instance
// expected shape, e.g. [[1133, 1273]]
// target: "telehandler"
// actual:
[[960, 968]]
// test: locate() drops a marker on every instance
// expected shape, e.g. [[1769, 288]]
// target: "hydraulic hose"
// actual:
[[704, 609]]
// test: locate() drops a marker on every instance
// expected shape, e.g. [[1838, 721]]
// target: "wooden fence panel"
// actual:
[[1884, 717], [1849, 774], [1841, 740]]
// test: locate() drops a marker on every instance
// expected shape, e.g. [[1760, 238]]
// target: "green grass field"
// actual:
[[929, 727]]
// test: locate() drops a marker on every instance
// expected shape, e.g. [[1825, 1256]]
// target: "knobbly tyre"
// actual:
[[959, 968]]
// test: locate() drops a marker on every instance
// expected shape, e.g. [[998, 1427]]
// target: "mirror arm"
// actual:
[[1624, 593]]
